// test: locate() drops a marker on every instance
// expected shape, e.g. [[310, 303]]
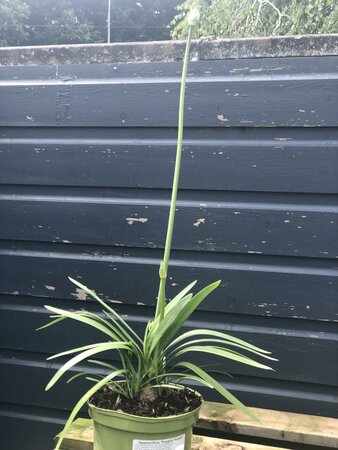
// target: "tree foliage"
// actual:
[[142, 20], [38, 22], [58, 23], [246, 18], [43, 22], [13, 14]]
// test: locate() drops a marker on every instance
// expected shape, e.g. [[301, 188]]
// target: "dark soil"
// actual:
[[172, 402]]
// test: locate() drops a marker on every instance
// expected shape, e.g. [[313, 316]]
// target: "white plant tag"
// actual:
[[176, 443]]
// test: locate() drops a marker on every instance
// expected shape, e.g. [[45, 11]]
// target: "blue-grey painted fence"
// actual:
[[86, 153]]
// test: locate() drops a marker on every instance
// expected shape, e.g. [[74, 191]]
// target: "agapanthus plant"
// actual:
[[150, 364]]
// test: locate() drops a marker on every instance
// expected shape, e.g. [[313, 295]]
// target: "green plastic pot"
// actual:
[[121, 431]]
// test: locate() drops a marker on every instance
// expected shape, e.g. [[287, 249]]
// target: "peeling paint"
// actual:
[[241, 69], [199, 222], [222, 118], [50, 288], [80, 294], [131, 220], [262, 69]]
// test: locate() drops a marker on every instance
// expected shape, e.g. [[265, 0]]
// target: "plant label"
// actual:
[[176, 443]]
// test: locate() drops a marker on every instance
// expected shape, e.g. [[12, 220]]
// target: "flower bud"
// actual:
[[193, 17]]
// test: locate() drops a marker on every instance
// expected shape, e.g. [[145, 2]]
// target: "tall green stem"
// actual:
[[165, 262]]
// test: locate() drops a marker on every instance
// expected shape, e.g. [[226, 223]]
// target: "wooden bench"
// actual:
[[235, 431]]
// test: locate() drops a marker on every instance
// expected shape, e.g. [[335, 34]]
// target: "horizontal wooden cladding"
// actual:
[[251, 284], [26, 427], [269, 224], [292, 346], [273, 160], [284, 93], [136, 71], [86, 158], [16, 366]]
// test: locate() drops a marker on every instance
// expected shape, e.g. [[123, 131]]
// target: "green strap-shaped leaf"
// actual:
[[107, 323], [49, 324], [153, 327], [124, 334], [104, 304], [178, 297], [84, 355], [78, 375], [224, 342], [82, 401], [217, 334], [77, 350], [174, 320], [205, 378], [223, 353], [82, 317], [103, 364]]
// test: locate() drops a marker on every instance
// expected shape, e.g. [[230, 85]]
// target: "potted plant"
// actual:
[[140, 405]]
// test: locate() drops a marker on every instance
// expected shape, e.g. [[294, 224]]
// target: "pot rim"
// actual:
[[137, 417]]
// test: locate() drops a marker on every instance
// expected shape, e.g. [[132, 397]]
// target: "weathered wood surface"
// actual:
[[284, 426], [283, 287], [280, 383], [230, 222], [219, 93], [17, 366], [279, 426], [263, 144], [80, 437], [208, 443], [286, 103], [294, 160]]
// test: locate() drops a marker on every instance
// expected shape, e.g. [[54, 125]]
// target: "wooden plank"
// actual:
[[272, 165], [208, 443], [291, 347], [24, 427], [80, 437], [263, 102], [283, 287], [263, 392], [284, 426], [248, 223], [219, 94], [160, 69]]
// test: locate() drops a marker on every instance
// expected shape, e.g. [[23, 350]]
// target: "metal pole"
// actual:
[[108, 22]]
